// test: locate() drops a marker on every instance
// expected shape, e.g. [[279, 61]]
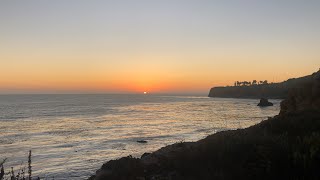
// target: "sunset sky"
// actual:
[[159, 46]]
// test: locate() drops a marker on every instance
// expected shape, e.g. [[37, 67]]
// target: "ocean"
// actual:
[[71, 136]]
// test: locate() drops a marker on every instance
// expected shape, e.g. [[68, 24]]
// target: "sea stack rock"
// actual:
[[264, 102]]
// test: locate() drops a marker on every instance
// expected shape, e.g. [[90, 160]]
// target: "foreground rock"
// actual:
[[284, 147], [264, 102]]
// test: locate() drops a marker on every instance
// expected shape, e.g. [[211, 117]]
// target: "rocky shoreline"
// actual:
[[286, 146]]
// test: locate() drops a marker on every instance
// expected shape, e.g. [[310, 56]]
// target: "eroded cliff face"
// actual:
[[304, 97]]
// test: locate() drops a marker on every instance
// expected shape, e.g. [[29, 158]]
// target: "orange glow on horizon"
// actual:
[[110, 48], [138, 76], [135, 84]]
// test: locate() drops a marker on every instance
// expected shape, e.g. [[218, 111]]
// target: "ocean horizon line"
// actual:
[[91, 93]]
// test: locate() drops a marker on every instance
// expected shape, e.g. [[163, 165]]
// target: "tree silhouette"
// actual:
[[249, 83], [254, 82]]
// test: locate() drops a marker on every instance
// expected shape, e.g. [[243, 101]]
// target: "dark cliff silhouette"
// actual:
[[286, 146], [261, 90]]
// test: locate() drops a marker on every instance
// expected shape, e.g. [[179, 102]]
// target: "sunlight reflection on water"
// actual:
[[71, 136]]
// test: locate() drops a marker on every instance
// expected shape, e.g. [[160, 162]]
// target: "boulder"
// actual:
[[264, 102]]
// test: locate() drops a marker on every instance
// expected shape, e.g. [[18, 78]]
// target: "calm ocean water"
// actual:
[[71, 136]]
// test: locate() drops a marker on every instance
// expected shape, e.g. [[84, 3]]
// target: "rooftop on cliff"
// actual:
[[284, 147]]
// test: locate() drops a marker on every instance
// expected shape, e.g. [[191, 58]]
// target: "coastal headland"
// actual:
[[258, 90]]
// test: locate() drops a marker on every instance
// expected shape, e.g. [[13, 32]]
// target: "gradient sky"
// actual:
[[160, 46]]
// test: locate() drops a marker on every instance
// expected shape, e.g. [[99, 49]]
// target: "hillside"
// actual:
[[270, 91], [286, 146]]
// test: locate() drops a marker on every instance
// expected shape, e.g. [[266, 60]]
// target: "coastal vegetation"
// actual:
[[249, 83], [24, 173]]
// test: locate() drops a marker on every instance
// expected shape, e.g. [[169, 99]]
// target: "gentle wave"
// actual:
[[71, 136]]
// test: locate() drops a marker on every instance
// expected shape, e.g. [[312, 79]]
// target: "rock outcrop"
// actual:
[[303, 97], [264, 102], [286, 146]]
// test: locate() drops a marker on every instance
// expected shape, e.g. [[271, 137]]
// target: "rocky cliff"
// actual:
[[302, 97], [269, 91], [284, 147]]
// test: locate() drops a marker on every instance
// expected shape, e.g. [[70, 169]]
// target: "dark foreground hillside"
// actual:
[[284, 147]]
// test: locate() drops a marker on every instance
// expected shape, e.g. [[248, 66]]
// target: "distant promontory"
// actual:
[[261, 89]]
